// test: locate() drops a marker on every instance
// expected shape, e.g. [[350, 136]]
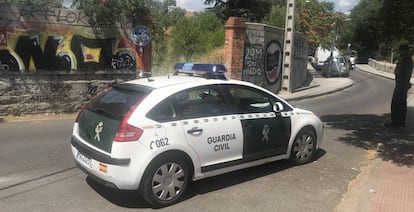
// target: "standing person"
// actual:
[[402, 72]]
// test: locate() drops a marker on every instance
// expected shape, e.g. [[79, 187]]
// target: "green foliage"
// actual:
[[164, 18], [107, 12], [401, 25], [318, 21], [193, 36], [379, 26], [276, 16], [367, 28], [251, 10], [36, 3]]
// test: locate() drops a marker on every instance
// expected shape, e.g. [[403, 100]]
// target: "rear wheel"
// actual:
[[304, 147], [165, 181]]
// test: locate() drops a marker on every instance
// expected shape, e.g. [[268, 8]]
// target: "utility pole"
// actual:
[[288, 45]]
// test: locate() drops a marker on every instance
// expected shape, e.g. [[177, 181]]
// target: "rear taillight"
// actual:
[[127, 132]]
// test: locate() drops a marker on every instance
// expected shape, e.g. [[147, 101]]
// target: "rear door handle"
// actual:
[[249, 124]]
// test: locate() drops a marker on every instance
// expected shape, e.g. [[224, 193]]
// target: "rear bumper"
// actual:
[[97, 155], [96, 178], [119, 173]]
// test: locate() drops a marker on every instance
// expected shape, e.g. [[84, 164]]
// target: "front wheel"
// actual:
[[165, 182], [304, 147]]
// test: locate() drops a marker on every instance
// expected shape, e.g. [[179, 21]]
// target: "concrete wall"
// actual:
[[260, 49]]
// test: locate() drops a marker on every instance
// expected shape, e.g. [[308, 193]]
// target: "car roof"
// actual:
[[169, 80], [165, 81]]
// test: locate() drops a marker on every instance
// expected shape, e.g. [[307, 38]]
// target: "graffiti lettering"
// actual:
[[121, 64], [253, 53], [252, 71], [53, 39], [3, 39], [92, 89], [49, 15], [253, 61], [300, 46], [48, 98], [70, 17], [255, 36], [4, 67], [49, 88]]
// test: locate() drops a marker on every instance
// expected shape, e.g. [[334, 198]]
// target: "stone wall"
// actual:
[[382, 65], [46, 92]]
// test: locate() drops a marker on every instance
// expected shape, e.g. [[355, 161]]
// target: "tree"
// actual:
[[107, 12], [276, 16], [367, 28], [196, 35], [318, 21], [252, 10], [164, 18], [398, 17]]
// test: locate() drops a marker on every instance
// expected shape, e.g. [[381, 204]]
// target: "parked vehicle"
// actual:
[[335, 66], [322, 54], [352, 60], [159, 133]]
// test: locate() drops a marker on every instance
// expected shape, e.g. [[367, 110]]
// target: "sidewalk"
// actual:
[[386, 182]]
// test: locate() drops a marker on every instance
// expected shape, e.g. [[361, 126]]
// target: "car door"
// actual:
[[214, 134], [266, 133]]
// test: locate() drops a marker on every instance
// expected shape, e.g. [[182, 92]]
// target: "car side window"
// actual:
[[250, 101], [200, 102], [163, 112]]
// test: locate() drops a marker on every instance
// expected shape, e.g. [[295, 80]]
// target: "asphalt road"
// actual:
[[37, 172]]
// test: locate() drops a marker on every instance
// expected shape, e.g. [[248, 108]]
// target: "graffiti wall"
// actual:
[[51, 39], [55, 60], [263, 55]]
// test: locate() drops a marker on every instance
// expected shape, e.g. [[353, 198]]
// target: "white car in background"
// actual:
[[159, 133]]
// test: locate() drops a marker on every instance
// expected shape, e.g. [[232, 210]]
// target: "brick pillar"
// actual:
[[234, 47]]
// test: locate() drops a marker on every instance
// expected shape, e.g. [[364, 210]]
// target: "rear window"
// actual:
[[116, 102]]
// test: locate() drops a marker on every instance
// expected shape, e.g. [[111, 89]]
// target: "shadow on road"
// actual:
[[368, 132], [131, 199]]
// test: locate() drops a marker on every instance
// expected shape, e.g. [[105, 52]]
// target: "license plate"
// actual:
[[84, 159]]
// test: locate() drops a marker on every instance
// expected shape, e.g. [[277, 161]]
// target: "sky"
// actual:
[[197, 5]]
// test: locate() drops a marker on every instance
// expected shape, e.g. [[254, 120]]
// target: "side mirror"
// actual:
[[278, 107]]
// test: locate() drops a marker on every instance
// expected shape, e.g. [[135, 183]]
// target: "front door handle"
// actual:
[[195, 131]]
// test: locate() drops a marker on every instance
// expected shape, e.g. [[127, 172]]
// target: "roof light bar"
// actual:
[[210, 71]]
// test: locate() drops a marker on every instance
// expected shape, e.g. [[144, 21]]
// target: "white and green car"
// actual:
[[157, 134]]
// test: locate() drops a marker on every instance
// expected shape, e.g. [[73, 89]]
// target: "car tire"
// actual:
[[303, 147], [165, 181]]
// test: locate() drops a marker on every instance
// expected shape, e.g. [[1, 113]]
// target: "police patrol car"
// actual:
[[157, 134]]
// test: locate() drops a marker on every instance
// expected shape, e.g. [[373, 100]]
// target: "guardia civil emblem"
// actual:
[[265, 133], [98, 130]]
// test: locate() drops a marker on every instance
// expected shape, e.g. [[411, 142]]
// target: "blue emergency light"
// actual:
[[210, 71]]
